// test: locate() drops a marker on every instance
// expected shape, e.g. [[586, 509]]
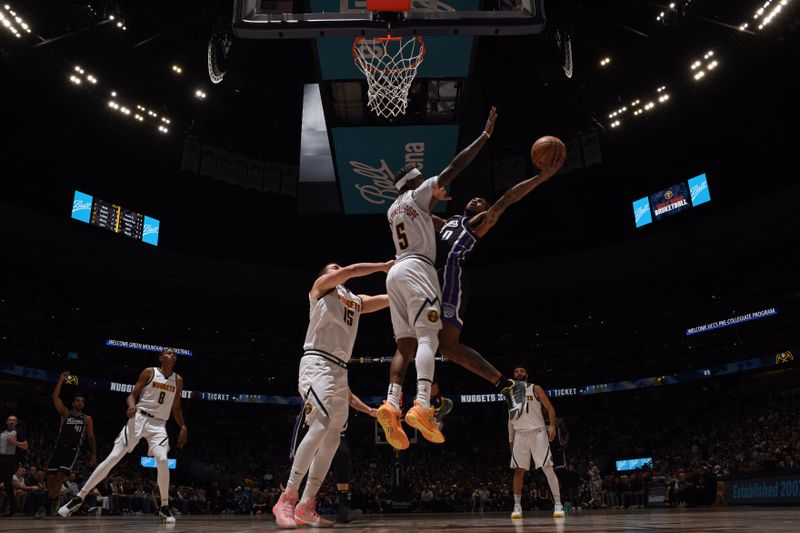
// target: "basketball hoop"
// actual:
[[388, 63]]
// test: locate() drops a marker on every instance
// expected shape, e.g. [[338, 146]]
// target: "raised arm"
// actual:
[[541, 395], [329, 281], [370, 304], [358, 405], [177, 412], [144, 378], [483, 222], [465, 157], [56, 396]]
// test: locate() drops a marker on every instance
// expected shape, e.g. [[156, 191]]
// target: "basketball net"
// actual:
[[390, 65]]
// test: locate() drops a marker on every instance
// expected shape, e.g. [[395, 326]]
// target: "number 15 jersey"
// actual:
[[333, 323]]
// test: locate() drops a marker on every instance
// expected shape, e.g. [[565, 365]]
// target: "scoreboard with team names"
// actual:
[[115, 218]]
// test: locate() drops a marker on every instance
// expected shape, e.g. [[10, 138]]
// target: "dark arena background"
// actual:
[[175, 174]]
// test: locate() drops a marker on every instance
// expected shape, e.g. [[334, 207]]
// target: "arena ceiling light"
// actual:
[[700, 68], [636, 108], [79, 76], [605, 61], [176, 69], [765, 14], [140, 113], [13, 22], [200, 94]]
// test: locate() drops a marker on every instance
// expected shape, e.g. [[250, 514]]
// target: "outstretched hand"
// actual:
[[553, 169], [489, 128]]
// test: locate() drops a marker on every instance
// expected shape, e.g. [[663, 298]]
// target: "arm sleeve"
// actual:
[[424, 193], [510, 431]]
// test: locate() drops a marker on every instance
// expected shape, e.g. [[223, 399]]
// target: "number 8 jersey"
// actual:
[[157, 396], [333, 323]]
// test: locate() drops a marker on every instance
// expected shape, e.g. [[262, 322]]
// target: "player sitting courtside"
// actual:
[[157, 393]]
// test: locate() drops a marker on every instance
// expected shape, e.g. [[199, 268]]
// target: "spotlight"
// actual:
[[200, 94], [114, 94], [111, 17], [176, 69]]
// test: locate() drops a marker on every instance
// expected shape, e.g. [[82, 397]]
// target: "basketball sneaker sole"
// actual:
[[431, 433], [394, 433]]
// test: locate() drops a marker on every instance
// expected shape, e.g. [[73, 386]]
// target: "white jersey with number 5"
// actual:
[[412, 225], [157, 396], [333, 323]]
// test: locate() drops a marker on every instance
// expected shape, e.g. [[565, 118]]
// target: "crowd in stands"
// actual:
[[693, 445]]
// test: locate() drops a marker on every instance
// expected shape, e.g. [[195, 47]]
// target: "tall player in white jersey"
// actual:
[[528, 437], [157, 393], [414, 292], [322, 383]]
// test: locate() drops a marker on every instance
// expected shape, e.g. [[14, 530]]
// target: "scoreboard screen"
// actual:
[[671, 201], [115, 218]]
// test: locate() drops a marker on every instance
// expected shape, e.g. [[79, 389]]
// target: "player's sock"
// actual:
[[502, 382], [424, 392], [517, 499], [394, 394], [427, 344]]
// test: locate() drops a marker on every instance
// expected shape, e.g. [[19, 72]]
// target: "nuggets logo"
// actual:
[[308, 408], [433, 316], [784, 357], [668, 195]]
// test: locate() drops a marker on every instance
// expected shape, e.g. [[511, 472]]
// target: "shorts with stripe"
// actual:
[[531, 443], [63, 460], [141, 426], [322, 385], [414, 297], [455, 290]]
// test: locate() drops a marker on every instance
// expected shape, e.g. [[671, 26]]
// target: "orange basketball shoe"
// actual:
[[425, 421], [389, 419]]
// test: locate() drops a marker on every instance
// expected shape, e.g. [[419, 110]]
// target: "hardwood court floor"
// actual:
[[715, 520]]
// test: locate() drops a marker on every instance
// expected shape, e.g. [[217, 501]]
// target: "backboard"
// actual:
[[288, 19]]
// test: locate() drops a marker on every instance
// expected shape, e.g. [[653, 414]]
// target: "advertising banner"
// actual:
[[367, 158]]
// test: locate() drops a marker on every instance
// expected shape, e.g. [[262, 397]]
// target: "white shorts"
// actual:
[[531, 443], [154, 430], [323, 387], [414, 297]]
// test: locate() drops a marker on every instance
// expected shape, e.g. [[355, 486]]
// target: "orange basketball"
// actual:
[[548, 151]]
